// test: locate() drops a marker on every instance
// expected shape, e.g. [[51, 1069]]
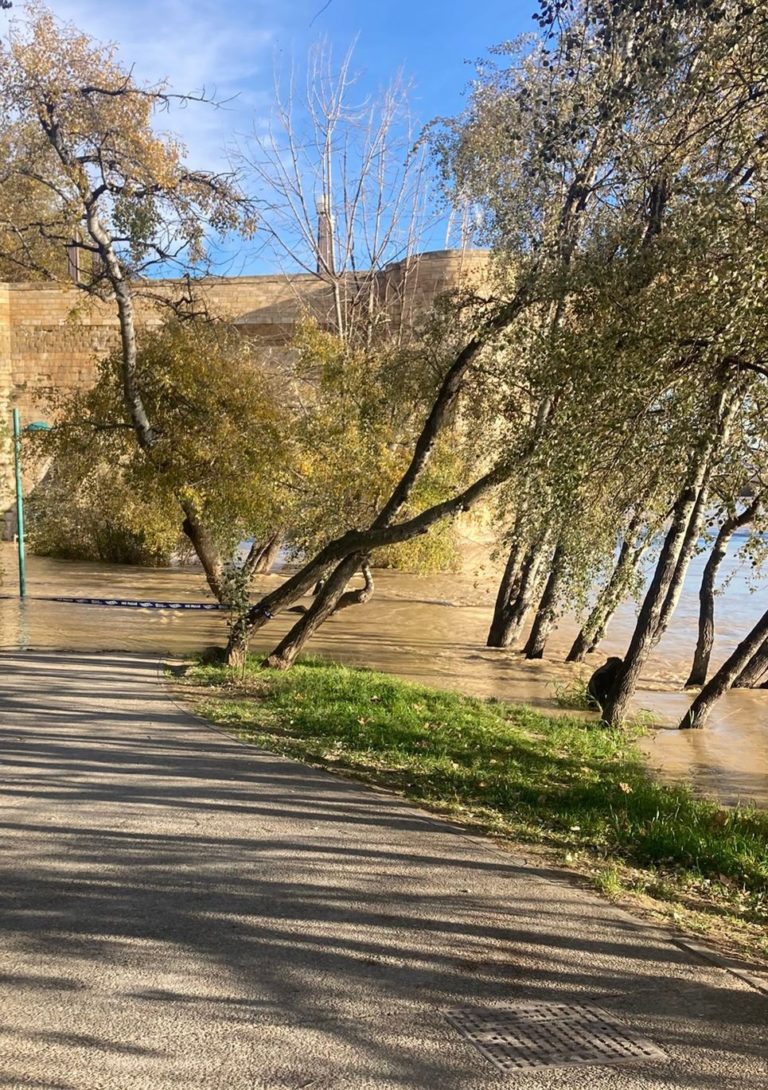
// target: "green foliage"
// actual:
[[311, 447], [573, 695], [359, 410], [85, 511], [617, 170], [436, 551], [223, 445], [567, 782]]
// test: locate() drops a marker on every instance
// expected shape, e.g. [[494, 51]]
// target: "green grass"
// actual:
[[573, 695], [564, 782]]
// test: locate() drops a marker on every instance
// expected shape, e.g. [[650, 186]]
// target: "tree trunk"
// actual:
[[725, 677], [322, 607], [753, 674], [263, 554], [509, 619], [580, 647], [198, 534], [692, 535], [442, 406], [237, 644], [363, 542], [206, 551], [610, 596], [509, 588], [360, 596], [706, 637], [642, 638], [381, 531], [725, 410], [546, 613], [661, 596]]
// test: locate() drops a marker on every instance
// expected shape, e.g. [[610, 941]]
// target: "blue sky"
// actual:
[[234, 48]]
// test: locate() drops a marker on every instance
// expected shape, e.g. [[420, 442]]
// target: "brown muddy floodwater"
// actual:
[[429, 629]]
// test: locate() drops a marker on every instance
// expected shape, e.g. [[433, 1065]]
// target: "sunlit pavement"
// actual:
[[179, 911]]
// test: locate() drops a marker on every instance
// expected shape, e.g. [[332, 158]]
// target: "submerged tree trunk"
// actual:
[[706, 637], [206, 550], [263, 554], [726, 676], [642, 638], [331, 598], [692, 535], [661, 596], [509, 616], [753, 674], [594, 628], [546, 614], [509, 589]]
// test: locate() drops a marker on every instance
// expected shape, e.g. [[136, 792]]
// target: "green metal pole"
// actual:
[[19, 504]]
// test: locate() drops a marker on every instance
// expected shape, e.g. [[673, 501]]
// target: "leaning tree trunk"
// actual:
[[726, 676], [383, 530], [594, 628], [361, 543], [263, 554], [692, 535], [753, 674], [641, 644], [206, 550], [509, 589], [726, 410], [331, 598], [661, 596], [706, 637], [546, 614], [509, 617]]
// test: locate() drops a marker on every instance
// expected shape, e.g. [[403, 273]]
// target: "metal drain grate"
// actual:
[[550, 1035]]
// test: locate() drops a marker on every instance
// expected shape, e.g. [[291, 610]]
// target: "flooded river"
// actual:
[[430, 629]]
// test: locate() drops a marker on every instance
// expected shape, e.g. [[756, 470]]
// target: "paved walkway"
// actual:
[[178, 912]]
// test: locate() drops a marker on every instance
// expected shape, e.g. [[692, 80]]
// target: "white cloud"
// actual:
[[224, 49]]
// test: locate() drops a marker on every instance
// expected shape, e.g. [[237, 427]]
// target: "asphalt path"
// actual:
[[181, 912]]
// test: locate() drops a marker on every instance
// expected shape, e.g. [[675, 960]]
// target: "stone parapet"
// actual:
[[52, 335]]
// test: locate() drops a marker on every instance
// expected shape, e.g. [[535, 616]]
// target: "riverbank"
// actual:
[[430, 630], [562, 785]]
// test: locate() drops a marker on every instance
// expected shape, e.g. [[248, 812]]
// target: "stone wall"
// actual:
[[52, 335]]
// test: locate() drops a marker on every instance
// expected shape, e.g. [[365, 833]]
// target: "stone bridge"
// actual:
[[52, 335]]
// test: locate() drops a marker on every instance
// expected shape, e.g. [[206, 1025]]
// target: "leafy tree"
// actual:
[[223, 445], [107, 185], [86, 510], [359, 408], [619, 154], [574, 154]]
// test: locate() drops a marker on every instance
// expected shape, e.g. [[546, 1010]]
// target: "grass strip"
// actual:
[[563, 782]]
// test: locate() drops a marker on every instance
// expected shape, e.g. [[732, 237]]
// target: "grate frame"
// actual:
[[529, 1035]]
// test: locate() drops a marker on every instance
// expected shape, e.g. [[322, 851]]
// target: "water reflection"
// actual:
[[429, 629]]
